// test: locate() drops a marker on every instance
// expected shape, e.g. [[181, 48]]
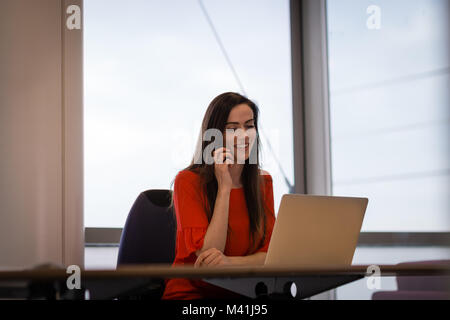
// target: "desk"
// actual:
[[250, 282]]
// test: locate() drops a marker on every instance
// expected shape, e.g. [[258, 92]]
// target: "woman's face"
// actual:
[[240, 132]]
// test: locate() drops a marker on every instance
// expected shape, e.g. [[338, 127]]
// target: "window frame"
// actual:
[[317, 126]]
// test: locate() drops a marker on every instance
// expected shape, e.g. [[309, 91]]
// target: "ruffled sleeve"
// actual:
[[270, 211], [192, 222], [191, 240]]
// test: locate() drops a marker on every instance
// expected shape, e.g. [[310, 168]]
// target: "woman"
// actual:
[[224, 206]]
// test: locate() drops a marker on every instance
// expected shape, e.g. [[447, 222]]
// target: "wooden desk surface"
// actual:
[[167, 271]]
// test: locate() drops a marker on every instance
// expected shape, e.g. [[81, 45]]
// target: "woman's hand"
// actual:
[[212, 257], [222, 161]]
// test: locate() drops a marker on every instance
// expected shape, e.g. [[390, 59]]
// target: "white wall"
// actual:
[[41, 218]]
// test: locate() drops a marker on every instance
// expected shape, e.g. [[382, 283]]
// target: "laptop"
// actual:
[[314, 231], [309, 231]]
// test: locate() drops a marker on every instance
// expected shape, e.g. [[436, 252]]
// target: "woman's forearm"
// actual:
[[250, 260], [216, 235]]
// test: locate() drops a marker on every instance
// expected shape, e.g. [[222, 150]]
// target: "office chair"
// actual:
[[419, 287], [149, 236]]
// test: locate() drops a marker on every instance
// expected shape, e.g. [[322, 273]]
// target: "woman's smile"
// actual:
[[242, 146]]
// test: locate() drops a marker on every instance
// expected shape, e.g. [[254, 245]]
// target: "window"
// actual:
[[389, 66], [151, 69]]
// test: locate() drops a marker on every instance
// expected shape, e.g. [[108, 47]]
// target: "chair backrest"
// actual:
[[150, 230], [434, 287], [424, 283]]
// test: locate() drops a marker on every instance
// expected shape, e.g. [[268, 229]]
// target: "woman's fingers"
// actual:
[[211, 257], [222, 161], [221, 158], [222, 155], [200, 259], [215, 261]]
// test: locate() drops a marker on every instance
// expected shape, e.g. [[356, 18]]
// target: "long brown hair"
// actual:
[[216, 117]]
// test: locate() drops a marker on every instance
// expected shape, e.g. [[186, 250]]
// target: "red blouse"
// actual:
[[192, 225]]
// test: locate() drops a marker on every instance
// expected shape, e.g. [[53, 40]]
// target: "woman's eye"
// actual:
[[247, 127]]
